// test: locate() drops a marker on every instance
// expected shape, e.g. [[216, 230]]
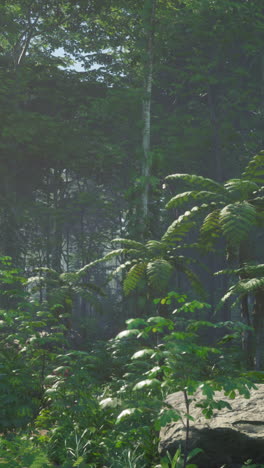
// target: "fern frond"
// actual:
[[249, 286], [159, 273], [194, 195], [182, 225], [199, 182], [134, 275], [223, 299], [129, 243], [237, 220], [242, 288], [250, 271], [255, 169], [109, 256], [210, 229], [156, 248], [241, 189]]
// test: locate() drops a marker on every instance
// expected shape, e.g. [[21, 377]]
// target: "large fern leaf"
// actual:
[[156, 248], [243, 288], [249, 271], [159, 272], [194, 195], [255, 169], [198, 182], [210, 229], [129, 243], [185, 223], [237, 220], [109, 256], [134, 275], [241, 189]]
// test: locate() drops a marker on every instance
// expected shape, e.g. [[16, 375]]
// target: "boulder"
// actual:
[[229, 438]]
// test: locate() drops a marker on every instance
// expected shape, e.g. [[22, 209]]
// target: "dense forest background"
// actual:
[[99, 102]]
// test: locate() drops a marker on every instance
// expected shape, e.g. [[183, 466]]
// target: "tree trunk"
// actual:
[[216, 139], [258, 323], [146, 164]]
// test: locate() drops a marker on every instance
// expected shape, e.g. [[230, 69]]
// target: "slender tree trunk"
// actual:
[[57, 224], [258, 323], [245, 254], [216, 139], [146, 142]]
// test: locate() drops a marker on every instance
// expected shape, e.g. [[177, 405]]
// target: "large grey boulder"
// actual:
[[230, 438]]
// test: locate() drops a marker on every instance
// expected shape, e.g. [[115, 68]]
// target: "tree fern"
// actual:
[[236, 221], [184, 223], [159, 272], [195, 195], [247, 270], [237, 206], [210, 229], [242, 288], [134, 275], [240, 188], [255, 169], [130, 243], [156, 248], [198, 182], [109, 256]]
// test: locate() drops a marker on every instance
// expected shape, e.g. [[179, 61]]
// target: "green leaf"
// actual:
[[159, 273], [236, 221], [126, 414], [193, 196], [127, 334], [166, 417], [147, 384], [255, 169], [142, 353], [198, 181], [134, 275]]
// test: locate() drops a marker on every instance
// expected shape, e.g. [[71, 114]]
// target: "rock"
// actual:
[[230, 438]]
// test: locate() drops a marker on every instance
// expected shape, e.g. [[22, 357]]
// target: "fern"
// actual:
[[182, 225], [249, 271], [210, 229], [240, 189], [236, 221], [129, 243], [156, 248], [109, 256], [243, 288], [195, 195], [134, 275], [251, 281], [198, 181], [159, 272], [255, 169]]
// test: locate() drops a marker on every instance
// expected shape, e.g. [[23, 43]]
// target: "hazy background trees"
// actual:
[[76, 168]]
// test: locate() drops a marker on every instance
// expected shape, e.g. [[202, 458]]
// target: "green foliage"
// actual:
[[152, 263], [236, 221], [251, 280], [198, 182], [166, 356], [255, 169], [30, 337], [177, 461], [19, 451], [71, 414], [233, 213]]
